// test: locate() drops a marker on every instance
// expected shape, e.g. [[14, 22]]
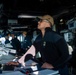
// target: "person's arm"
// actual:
[[30, 51], [63, 50]]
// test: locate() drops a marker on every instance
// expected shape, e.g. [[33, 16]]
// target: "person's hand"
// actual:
[[12, 63], [47, 65]]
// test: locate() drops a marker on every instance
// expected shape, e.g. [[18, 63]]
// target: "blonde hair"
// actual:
[[24, 32]]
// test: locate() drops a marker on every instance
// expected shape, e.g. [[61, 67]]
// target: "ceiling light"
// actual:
[[26, 16], [61, 20]]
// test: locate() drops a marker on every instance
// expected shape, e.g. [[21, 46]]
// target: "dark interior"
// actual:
[[11, 9]]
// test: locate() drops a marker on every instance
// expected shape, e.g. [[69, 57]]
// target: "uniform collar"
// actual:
[[48, 29]]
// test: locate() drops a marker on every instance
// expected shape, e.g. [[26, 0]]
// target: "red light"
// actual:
[[27, 72]]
